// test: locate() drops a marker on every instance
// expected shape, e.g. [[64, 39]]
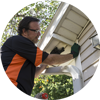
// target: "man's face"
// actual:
[[32, 35]]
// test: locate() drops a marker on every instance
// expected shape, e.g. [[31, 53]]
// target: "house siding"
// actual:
[[89, 55]]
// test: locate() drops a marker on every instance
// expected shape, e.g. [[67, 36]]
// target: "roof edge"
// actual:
[[53, 24]]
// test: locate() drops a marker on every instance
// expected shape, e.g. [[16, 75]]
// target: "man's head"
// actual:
[[29, 28]]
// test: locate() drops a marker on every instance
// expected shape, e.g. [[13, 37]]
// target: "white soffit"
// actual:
[[52, 26], [66, 25]]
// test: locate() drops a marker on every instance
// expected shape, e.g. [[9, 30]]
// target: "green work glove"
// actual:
[[75, 50]]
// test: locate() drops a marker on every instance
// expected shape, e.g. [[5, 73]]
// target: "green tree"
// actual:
[[42, 10], [57, 86]]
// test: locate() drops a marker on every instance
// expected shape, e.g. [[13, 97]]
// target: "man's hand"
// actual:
[[75, 50], [39, 95]]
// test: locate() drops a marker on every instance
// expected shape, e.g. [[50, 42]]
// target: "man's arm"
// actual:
[[53, 59], [59, 59], [40, 69]]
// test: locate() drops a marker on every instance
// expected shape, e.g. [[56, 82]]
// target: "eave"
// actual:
[[65, 28]]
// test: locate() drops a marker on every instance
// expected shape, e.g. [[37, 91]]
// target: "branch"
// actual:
[[15, 10], [42, 17]]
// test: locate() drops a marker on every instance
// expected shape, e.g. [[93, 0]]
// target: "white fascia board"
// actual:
[[55, 71], [63, 39], [52, 26]]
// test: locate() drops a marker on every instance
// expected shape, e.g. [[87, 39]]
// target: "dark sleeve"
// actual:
[[25, 48]]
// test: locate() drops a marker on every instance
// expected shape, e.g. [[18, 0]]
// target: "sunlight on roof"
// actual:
[[52, 28]]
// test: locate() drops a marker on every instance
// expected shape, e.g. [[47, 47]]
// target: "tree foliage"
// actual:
[[42, 10], [57, 86]]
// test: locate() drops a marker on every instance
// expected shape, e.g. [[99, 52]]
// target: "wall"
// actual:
[[89, 55]]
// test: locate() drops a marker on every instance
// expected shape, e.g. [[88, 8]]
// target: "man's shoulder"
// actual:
[[20, 39], [14, 37], [17, 37]]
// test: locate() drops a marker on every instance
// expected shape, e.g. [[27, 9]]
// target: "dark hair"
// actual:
[[24, 23]]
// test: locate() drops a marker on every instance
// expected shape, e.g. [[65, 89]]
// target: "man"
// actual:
[[20, 57]]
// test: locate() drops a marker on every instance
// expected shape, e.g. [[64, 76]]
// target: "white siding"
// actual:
[[89, 72], [92, 82], [89, 55]]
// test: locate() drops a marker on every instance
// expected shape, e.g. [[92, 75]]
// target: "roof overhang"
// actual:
[[65, 28]]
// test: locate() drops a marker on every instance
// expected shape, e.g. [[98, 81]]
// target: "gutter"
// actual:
[[88, 21]]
